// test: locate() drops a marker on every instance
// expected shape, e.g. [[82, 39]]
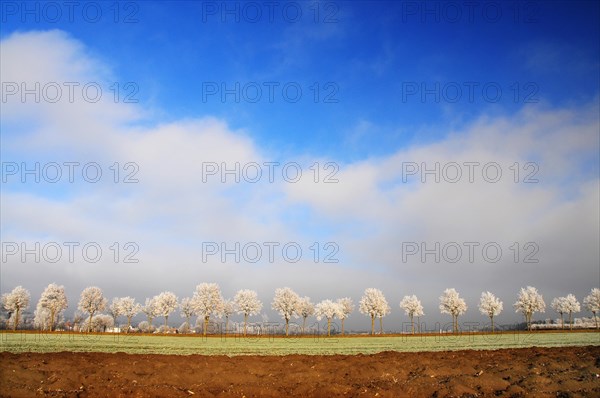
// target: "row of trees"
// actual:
[[208, 301]]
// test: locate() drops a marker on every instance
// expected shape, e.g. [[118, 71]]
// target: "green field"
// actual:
[[317, 345]]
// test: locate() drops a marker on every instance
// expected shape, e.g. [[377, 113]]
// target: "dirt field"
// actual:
[[543, 372]]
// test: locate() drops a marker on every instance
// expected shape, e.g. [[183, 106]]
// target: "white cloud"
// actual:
[[368, 213]]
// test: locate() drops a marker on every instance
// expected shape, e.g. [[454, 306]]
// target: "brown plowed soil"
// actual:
[[540, 372]]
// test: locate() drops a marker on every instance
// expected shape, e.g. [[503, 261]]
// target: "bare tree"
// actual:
[[92, 301], [15, 303]]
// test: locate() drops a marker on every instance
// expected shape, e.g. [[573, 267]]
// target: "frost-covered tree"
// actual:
[[114, 309], [99, 323], [207, 301], [247, 303], [490, 305], [52, 303], [286, 303], [385, 310], [346, 306], [226, 309], [529, 302], [184, 328], [78, 320], [166, 302], [327, 309], [568, 304], [412, 307], [129, 308], [187, 310], [15, 303], [558, 305], [571, 305], [87, 324], [145, 327], [41, 317], [374, 304], [92, 301], [150, 308], [451, 303], [104, 321], [592, 303], [305, 309]]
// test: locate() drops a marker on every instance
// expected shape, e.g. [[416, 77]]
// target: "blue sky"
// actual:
[[370, 52], [533, 68]]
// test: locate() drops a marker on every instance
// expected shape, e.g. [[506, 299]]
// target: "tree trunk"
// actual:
[[187, 320], [166, 319], [128, 323], [342, 326], [562, 321], [595, 319], [412, 324], [328, 326], [492, 320], [380, 325], [52, 315], [570, 320], [372, 325], [206, 318], [245, 324], [226, 324], [287, 323], [90, 322], [16, 319]]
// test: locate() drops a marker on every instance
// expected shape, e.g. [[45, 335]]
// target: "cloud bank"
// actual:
[[374, 216]]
